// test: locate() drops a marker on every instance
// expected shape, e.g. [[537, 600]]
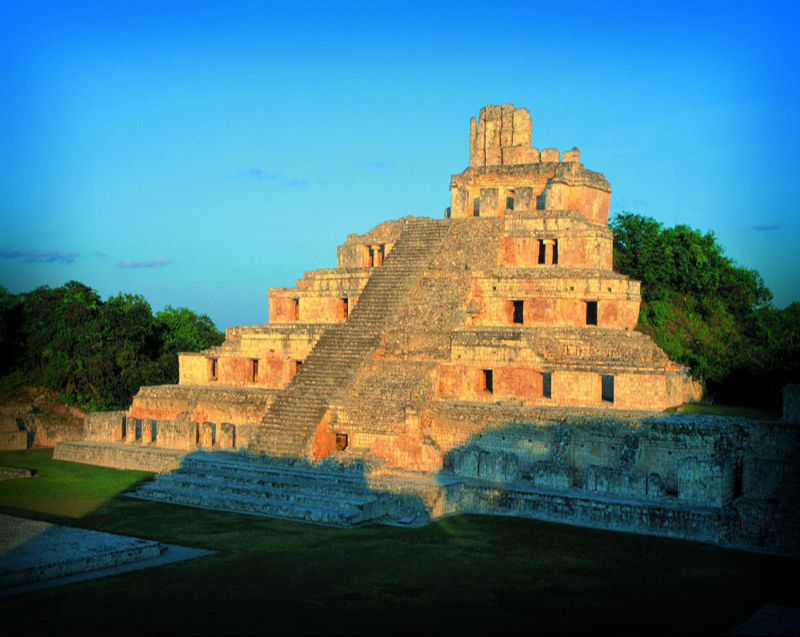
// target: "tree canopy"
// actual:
[[707, 312], [96, 353]]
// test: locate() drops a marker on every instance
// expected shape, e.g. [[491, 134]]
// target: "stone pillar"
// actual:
[[133, 426], [548, 251], [477, 156], [115, 431], [523, 199], [226, 437], [489, 202], [148, 430], [207, 434]]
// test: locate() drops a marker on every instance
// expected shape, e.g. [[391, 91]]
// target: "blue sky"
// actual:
[[199, 152]]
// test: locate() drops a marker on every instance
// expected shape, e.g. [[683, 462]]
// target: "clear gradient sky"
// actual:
[[199, 152]]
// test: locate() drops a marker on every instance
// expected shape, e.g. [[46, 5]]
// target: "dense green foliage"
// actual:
[[95, 353], [708, 313]]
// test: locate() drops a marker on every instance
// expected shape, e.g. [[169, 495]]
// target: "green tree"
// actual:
[[182, 330], [707, 312]]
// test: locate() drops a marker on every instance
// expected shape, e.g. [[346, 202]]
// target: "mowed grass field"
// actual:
[[460, 575]]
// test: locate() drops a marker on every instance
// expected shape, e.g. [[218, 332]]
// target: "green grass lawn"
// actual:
[[462, 575]]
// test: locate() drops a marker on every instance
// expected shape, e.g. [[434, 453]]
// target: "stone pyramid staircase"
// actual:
[[231, 482], [331, 368]]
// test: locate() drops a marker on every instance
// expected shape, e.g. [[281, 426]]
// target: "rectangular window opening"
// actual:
[[212, 369], [488, 381], [345, 308], [591, 312], [542, 252], [555, 252], [253, 370], [341, 442], [519, 312], [296, 309], [608, 388], [509, 203], [297, 366], [476, 207], [547, 380]]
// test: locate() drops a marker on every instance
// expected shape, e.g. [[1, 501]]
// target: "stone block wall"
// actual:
[[104, 426], [594, 203], [672, 460], [502, 134], [13, 440], [573, 251], [706, 481], [555, 298]]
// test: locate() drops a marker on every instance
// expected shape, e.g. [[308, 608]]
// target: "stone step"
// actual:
[[300, 492], [242, 484], [333, 365], [202, 498]]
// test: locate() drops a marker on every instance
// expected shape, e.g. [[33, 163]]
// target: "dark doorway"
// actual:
[[519, 312], [488, 381], [608, 388], [547, 385], [591, 312]]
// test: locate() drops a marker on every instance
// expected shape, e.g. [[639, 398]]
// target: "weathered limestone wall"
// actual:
[[592, 202], [632, 390], [724, 480], [555, 297], [201, 403], [13, 440], [119, 457], [370, 249], [319, 296], [264, 356], [591, 250], [503, 190]]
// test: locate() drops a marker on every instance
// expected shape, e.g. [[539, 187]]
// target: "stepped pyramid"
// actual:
[[430, 331], [484, 362]]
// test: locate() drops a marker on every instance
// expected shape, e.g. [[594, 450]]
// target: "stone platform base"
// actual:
[[321, 494], [32, 551], [119, 456]]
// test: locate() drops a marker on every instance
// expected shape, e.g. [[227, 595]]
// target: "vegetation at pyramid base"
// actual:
[[709, 313], [95, 353]]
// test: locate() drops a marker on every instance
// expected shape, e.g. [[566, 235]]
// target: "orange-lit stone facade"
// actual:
[[510, 301]]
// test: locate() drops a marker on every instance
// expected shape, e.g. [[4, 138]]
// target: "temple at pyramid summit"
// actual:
[[494, 344]]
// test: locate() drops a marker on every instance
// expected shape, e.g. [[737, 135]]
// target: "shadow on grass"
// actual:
[[460, 575]]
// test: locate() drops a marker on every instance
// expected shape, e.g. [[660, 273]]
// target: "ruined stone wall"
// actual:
[[119, 457], [524, 383], [592, 202], [197, 403], [693, 461], [503, 190], [262, 356], [502, 136], [556, 297], [319, 297], [587, 248], [369, 249]]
